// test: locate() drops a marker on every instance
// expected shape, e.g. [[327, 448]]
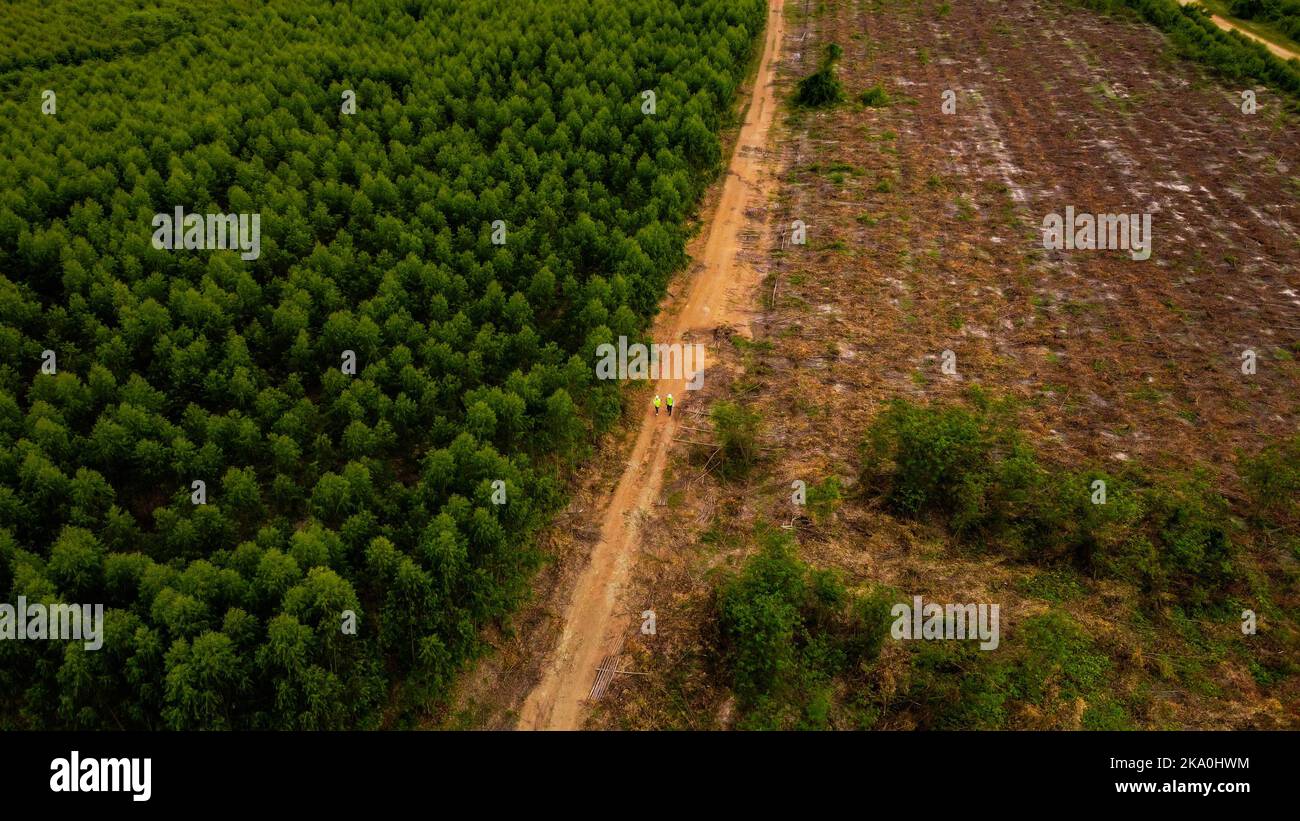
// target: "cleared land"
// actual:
[[923, 237]]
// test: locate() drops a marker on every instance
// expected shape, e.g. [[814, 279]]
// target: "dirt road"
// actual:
[[1226, 25], [717, 295]]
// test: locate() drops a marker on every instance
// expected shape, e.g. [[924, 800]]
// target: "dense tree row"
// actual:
[[325, 491]]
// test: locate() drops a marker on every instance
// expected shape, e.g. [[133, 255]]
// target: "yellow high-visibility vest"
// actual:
[[670, 400], [656, 400]]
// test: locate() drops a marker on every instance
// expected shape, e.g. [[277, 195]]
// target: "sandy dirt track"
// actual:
[[718, 295]]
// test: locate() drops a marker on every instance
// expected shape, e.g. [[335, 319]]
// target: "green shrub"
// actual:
[[874, 97], [1191, 525], [819, 90], [761, 620], [822, 88], [787, 632], [736, 427], [1072, 521], [824, 498], [971, 469], [1273, 477], [1051, 664], [1061, 660]]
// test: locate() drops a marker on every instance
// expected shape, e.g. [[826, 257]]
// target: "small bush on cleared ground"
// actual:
[[824, 499], [875, 97], [1273, 477], [800, 651], [737, 429], [787, 632], [822, 88], [954, 685], [969, 468], [972, 470]]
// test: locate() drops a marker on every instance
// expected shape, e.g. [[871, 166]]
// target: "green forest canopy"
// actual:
[[325, 492]]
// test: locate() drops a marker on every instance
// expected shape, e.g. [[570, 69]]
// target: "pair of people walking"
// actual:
[[658, 402]]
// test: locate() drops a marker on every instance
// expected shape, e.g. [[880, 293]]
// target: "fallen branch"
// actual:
[[704, 444], [707, 468]]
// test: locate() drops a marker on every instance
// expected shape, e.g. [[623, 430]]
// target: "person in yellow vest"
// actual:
[[670, 404], [657, 403]]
